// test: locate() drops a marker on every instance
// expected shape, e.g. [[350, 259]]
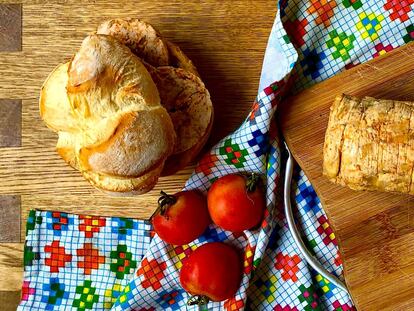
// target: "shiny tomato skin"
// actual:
[[213, 270], [183, 221], [232, 207]]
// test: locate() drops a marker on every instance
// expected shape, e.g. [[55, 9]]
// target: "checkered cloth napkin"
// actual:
[[77, 262]]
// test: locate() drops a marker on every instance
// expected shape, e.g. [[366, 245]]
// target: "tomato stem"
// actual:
[[252, 182], [164, 202], [199, 300]]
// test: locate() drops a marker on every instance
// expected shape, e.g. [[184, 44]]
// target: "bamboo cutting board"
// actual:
[[375, 231], [224, 39]]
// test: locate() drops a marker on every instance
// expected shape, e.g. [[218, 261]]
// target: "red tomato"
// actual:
[[182, 217], [236, 202], [212, 272]]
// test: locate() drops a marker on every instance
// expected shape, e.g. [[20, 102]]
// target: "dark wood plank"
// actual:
[[10, 123], [10, 27], [10, 300], [10, 218]]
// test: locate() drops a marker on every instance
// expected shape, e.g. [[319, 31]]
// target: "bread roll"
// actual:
[[188, 102], [119, 186], [369, 144], [143, 40], [182, 92], [178, 59], [57, 112], [122, 135], [147, 43]]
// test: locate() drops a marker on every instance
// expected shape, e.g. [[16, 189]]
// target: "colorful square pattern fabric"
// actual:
[[81, 262], [95, 263]]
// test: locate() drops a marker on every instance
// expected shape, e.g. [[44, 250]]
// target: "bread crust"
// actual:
[[142, 38], [120, 186], [178, 161], [147, 43], [178, 59], [369, 144], [54, 105], [142, 141], [187, 101], [182, 92], [112, 123], [121, 134]]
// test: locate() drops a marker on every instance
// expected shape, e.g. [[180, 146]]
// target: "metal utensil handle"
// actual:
[[294, 230]]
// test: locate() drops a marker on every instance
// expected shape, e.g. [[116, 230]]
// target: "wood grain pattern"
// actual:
[[10, 27], [225, 40], [375, 231], [11, 266]]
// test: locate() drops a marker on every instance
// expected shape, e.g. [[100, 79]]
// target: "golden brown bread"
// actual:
[[178, 59], [369, 144], [142, 38], [111, 122], [141, 142], [147, 43], [182, 92], [57, 113], [179, 160], [119, 186], [189, 105], [121, 135]]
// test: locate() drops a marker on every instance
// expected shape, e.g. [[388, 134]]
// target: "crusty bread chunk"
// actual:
[[178, 59], [369, 144], [129, 106]]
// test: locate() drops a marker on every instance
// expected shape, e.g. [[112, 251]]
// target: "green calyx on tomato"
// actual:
[[199, 300], [252, 182], [164, 201]]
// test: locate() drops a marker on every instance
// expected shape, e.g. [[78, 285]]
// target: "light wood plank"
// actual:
[[11, 266], [225, 39]]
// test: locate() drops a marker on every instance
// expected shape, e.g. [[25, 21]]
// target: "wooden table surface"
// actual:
[[225, 39]]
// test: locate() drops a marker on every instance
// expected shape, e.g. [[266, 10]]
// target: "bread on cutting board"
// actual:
[[123, 111], [369, 144]]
